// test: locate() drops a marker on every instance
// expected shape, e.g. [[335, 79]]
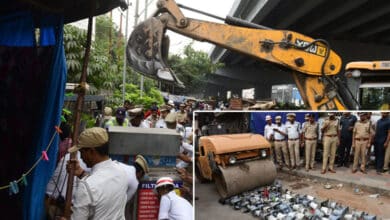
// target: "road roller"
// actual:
[[236, 162]]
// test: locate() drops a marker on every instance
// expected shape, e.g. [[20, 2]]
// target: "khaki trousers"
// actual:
[[281, 147], [273, 157], [310, 153], [360, 152], [387, 158], [330, 147], [293, 148]]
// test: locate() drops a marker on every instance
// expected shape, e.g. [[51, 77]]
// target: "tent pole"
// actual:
[[80, 90]]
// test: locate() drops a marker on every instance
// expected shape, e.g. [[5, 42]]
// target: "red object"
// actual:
[[164, 181], [149, 112], [148, 205], [58, 130], [44, 156], [266, 193]]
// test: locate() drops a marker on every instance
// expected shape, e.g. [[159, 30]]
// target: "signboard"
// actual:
[[148, 203]]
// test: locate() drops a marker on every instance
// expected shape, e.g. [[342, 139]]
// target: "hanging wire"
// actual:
[[33, 166]]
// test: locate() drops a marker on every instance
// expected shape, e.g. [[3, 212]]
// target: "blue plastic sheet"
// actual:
[[51, 115], [18, 30]]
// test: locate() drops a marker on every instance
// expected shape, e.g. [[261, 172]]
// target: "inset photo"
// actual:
[[292, 165]]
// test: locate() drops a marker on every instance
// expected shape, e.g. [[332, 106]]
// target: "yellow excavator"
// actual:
[[369, 81], [314, 65]]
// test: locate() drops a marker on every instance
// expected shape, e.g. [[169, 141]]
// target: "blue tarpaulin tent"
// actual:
[[35, 104], [32, 85]]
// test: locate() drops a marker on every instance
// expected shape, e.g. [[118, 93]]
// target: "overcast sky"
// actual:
[[217, 7]]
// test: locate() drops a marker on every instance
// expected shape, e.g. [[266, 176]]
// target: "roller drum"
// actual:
[[245, 176]]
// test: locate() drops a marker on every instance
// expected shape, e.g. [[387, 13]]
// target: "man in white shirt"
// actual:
[[280, 134], [293, 132], [171, 106], [186, 150], [164, 110], [136, 116], [172, 206], [102, 194], [56, 187], [269, 133], [135, 173]]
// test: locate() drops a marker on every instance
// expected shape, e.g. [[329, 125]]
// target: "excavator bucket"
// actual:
[[147, 51]]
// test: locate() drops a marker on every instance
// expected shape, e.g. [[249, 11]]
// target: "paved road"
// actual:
[[311, 183], [208, 207]]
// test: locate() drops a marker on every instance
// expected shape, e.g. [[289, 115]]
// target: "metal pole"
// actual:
[[142, 77], [124, 56], [136, 13]]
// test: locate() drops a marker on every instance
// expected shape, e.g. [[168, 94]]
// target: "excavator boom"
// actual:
[[312, 61]]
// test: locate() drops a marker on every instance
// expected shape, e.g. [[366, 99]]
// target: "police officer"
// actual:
[[181, 115], [269, 133], [382, 139], [307, 120], [172, 206], [331, 139], [293, 132], [119, 119], [136, 116], [280, 134], [347, 122], [361, 141], [309, 136]]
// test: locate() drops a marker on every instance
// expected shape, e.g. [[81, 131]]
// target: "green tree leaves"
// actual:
[[105, 67], [193, 68]]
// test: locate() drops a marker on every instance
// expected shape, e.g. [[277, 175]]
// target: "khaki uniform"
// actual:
[[293, 131], [310, 134], [269, 135], [181, 117], [281, 146], [361, 141], [330, 141]]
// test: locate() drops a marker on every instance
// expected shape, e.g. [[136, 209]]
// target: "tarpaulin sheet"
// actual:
[[32, 84]]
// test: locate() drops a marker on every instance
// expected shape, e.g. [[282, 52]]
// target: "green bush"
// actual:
[[133, 93]]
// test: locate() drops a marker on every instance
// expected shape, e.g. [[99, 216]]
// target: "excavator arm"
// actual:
[[312, 62]]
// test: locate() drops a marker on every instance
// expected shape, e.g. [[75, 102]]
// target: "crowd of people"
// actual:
[[346, 137], [102, 186]]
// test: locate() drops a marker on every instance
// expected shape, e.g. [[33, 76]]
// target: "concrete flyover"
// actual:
[[355, 29]]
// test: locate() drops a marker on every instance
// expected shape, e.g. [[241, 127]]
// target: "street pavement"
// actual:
[[208, 207], [371, 180]]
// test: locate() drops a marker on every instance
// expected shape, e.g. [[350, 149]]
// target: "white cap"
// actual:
[[291, 115], [171, 103], [162, 181], [268, 117], [278, 117]]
